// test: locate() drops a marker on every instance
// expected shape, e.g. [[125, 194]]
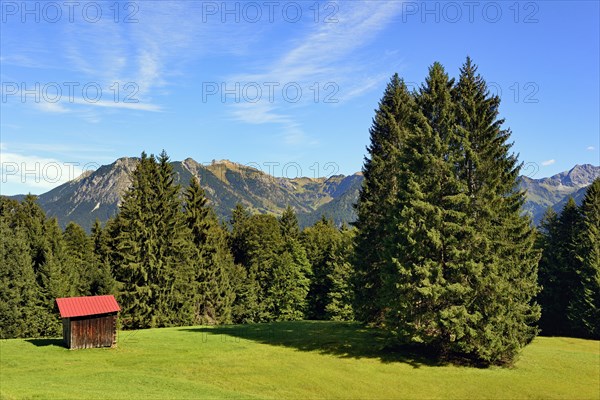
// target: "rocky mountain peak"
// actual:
[[190, 164], [577, 177], [581, 175], [126, 161]]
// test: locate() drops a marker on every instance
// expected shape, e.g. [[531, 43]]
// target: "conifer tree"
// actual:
[[153, 249], [559, 268], [502, 256], [321, 241], [214, 262], [49, 262], [175, 249], [456, 266], [18, 289], [262, 241], [135, 248], [291, 272], [428, 255], [238, 222], [104, 282], [570, 270], [584, 310], [30, 216], [340, 295], [289, 224], [56, 276], [377, 198], [245, 308], [275, 266], [81, 255]]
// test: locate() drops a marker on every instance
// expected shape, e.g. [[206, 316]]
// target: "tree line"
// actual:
[[441, 256], [569, 269]]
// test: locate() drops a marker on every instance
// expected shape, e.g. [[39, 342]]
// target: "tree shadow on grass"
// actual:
[[46, 342], [341, 339]]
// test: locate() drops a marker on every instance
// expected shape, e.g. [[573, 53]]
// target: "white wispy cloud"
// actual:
[[321, 55], [326, 55], [548, 162], [48, 107], [119, 104], [22, 60], [118, 54], [260, 113], [147, 53], [65, 151], [590, 148], [35, 173], [64, 104]]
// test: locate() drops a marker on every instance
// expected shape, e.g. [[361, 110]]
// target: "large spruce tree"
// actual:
[[503, 245], [135, 248], [429, 279], [262, 242], [175, 248], [153, 249], [377, 198], [452, 254], [212, 258]]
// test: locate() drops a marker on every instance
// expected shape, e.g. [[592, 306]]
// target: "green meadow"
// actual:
[[284, 360]]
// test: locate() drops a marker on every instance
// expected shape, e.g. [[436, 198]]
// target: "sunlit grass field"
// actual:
[[297, 360]]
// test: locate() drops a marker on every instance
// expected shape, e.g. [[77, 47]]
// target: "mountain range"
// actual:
[[556, 190], [96, 194]]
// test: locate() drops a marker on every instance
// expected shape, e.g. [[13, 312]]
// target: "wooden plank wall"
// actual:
[[93, 331]]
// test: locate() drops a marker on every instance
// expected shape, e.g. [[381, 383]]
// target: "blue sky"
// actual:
[[289, 87]]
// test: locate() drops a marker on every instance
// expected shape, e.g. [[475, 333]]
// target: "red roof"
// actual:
[[82, 306]]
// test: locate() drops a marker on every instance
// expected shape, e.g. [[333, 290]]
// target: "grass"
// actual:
[[304, 360]]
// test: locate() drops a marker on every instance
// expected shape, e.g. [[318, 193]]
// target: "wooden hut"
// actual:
[[89, 321]]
